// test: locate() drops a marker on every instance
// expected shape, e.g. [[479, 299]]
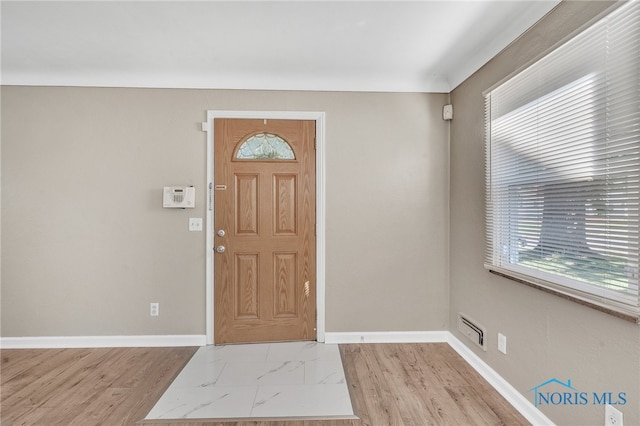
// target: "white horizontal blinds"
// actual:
[[563, 166]]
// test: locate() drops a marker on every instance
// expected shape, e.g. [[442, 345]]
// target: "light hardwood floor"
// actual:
[[390, 384]]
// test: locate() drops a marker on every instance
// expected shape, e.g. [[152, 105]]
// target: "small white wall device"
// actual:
[[179, 197], [447, 112]]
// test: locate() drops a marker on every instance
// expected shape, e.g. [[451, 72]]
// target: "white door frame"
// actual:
[[319, 118]]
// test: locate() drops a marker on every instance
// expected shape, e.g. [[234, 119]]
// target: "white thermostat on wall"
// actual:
[[179, 197]]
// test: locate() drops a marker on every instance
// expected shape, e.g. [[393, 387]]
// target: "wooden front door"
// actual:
[[264, 236]]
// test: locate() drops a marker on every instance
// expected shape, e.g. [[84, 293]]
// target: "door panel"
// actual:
[[246, 285], [264, 280], [285, 268], [284, 200], [246, 208]]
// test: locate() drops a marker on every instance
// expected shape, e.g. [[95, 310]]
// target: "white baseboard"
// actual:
[[386, 337], [102, 341], [504, 388]]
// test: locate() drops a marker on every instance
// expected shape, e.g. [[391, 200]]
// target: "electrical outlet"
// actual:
[[195, 224], [502, 343], [154, 309], [612, 416]]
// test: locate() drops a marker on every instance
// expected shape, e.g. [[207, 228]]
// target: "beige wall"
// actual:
[[548, 337], [86, 245]]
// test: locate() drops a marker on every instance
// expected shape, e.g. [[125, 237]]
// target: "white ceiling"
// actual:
[[417, 46]]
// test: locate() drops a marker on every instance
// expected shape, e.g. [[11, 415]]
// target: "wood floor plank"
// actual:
[[22, 416], [419, 382], [412, 407], [42, 385], [371, 389], [90, 380], [23, 360], [390, 384], [480, 386], [25, 377], [160, 368]]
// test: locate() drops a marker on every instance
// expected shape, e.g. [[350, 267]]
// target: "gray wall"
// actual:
[[86, 245], [548, 337]]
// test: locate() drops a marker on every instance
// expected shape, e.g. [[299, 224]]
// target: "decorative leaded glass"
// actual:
[[265, 146]]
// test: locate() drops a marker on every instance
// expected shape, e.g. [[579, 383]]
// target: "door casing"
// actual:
[[319, 118]]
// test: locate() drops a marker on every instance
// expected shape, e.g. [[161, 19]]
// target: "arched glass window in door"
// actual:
[[265, 146]]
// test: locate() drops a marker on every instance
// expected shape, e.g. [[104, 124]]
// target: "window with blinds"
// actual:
[[563, 167]]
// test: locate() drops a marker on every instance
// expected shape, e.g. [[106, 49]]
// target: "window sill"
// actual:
[[622, 315]]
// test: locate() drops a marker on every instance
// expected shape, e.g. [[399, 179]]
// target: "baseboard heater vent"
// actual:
[[474, 332]]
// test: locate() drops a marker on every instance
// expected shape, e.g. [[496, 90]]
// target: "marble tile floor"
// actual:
[[259, 381]]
